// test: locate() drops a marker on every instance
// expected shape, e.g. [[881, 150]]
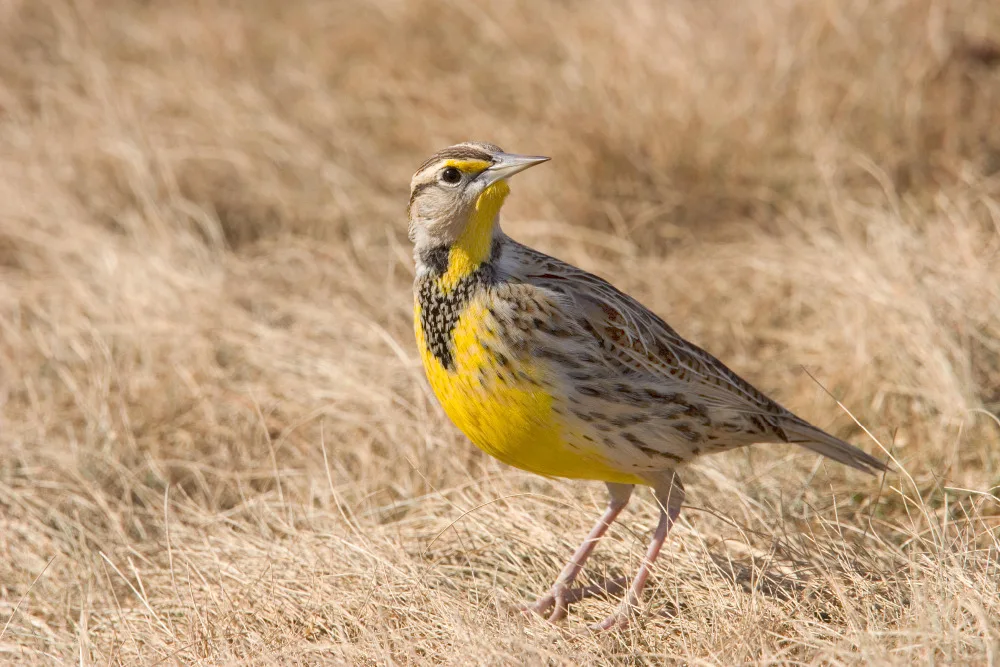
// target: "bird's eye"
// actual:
[[451, 175]]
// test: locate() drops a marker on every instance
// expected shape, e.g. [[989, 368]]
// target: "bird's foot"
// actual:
[[619, 620], [561, 597], [552, 606]]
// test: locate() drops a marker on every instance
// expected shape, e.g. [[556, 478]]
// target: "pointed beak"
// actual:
[[508, 164]]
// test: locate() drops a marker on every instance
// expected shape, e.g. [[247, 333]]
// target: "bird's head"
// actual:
[[456, 195]]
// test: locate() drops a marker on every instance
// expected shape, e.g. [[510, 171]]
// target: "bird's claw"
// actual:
[[557, 600], [619, 620]]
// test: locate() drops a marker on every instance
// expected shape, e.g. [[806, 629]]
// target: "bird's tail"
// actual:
[[808, 436]]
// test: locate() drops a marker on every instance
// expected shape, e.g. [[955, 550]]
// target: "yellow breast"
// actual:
[[506, 409]]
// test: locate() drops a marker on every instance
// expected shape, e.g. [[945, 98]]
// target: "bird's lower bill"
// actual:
[[508, 412]]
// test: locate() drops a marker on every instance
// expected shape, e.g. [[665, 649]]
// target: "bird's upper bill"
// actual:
[[506, 165]]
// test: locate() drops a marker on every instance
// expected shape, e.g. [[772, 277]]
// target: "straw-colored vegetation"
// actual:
[[217, 445]]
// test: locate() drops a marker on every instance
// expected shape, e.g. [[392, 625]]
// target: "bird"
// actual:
[[553, 370]]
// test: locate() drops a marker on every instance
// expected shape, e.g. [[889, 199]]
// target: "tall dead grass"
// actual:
[[216, 443]]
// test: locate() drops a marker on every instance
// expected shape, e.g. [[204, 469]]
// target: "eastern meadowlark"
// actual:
[[552, 370]]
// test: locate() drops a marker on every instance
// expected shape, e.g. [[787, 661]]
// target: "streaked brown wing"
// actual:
[[636, 340], [638, 346]]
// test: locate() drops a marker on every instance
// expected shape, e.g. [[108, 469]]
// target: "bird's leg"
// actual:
[[670, 496], [557, 599]]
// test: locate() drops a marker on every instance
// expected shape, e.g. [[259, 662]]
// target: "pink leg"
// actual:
[[557, 598], [670, 496]]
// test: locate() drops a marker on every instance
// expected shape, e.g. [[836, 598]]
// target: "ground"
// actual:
[[216, 442]]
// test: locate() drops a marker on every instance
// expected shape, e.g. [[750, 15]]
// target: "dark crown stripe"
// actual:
[[463, 152]]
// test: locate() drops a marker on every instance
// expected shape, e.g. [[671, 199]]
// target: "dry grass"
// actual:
[[217, 445]]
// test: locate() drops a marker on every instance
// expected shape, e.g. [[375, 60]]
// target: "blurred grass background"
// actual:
[[216, 443]]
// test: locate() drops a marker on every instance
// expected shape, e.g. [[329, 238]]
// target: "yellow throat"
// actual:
[[473, 245]]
